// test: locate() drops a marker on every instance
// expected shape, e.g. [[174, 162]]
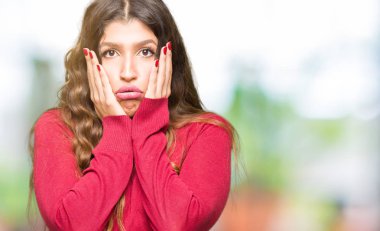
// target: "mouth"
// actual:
[[129, 92]]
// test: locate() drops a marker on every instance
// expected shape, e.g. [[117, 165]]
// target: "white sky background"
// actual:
[[318, 53], [282, 35], [336, 36], [321, 54]]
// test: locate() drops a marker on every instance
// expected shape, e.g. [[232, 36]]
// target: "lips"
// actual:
[[128, 92]]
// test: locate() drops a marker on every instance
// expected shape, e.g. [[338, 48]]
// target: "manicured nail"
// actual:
[[98, 66], [165, 50], [170, 45], [91, 55], [85, 52], [156, 63]]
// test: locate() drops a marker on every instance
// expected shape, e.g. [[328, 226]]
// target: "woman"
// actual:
[[129, 146]]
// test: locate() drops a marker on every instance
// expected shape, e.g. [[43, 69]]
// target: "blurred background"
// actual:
[[298, 79]]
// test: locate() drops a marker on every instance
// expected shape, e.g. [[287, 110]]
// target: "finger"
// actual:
[[161, 72], [107, 89], [169, 68], [96, 76], [150, 93], [90, 75], [99, 114]]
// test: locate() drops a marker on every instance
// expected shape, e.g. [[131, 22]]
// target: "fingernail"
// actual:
[[170, 45], [165, 49], [91, 55], [85, 52], [98, 66], [156, 63]]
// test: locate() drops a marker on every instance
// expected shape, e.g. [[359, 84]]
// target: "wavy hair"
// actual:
[[77, 109]]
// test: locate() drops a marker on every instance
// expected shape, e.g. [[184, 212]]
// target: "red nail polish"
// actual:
[[85, 52], [165, 50], [98, 66], [170, 45], [91, 55], [156, 63]]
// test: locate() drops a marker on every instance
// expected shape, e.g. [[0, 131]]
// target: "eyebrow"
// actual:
[[118, 45]]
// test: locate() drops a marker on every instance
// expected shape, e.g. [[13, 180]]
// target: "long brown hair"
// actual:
[[77, 109]]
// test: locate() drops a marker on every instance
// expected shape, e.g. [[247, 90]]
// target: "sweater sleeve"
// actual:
[[67, 200], [194, 199]]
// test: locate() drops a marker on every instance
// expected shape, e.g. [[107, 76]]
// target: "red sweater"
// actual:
[[131, 159]]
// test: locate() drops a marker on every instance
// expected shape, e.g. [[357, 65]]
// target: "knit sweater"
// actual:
[[131, 159]]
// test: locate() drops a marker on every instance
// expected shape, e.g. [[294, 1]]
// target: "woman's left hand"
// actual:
[[161, 75]]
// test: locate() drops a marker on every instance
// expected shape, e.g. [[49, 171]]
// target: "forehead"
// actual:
[[127, 32]]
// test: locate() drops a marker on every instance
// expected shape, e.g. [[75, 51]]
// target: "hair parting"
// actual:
[[77, 110]]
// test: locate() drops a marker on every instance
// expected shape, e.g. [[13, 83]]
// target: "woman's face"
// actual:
[[127, 51]]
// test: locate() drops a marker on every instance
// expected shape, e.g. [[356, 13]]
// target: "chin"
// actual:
[[130, 107], [130, 113]]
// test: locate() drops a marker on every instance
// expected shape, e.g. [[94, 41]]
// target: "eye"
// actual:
[[109, 53], [146, 52]]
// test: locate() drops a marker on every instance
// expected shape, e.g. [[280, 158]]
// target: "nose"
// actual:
[[128, 72]]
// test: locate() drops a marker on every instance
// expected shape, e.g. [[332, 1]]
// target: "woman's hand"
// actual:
[[101, 92], [161, 76]]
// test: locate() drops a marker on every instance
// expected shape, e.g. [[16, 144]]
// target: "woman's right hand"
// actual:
[[101, 92]]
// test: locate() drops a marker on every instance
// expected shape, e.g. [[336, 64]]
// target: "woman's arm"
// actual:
[[66, 200], [194, 199]]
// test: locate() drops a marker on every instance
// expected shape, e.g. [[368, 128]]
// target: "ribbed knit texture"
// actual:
[[116, 134], [156, 197]]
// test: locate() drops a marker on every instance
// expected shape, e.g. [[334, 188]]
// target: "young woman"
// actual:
[[129, 146]]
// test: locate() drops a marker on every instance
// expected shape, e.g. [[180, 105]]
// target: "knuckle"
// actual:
[[108, 102], [97, 99]]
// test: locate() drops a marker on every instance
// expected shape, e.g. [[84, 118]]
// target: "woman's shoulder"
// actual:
[[206, 122], [51, 116], [205, 127], [214, 116], [51, 120]]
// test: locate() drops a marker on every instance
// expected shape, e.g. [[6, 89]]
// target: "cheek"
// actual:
[[144, 70], [112, 71]]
